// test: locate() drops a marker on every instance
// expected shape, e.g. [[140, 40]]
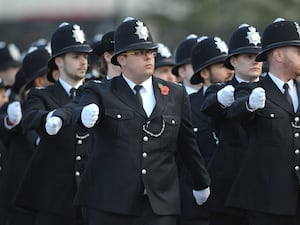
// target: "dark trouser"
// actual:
[[259, 218], [3, 216], [218, 218], [185, 220], [146, 217], [46, 218], [20, 216]]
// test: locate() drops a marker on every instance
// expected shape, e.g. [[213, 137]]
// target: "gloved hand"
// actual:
[[14, 113], [89, 115], [201, 196], [257, 98], [225, 96], [53, 125]]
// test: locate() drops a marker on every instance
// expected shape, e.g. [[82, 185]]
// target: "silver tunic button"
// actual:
[[296, 119], [79, 142], [145, 138], [272, 115], [77, 173], [78, 158], [173, 121], [119, 116], [296, 135], [297, 151], [144, 154], [195, 129], [144, 171], [296, 168]]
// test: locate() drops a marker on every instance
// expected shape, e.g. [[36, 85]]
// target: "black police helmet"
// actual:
[[105, 45], [183, 52], [244, 40], [67, 38], [207, 51], [10, 56], [131, 34], [280, 33], [35, 63], [163, 56]]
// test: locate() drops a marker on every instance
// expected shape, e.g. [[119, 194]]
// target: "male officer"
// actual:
[[268, 183], [164, 63], [208, 56], [49, 185], [183, 68], [244, 45], [143, 125]]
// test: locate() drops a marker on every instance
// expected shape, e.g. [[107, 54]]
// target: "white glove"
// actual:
[[257, 98], [14, 113], [225, 96], [89, 115], [53, 125], [201, 196]]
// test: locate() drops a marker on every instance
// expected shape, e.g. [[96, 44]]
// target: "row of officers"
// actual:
[[206, 137]]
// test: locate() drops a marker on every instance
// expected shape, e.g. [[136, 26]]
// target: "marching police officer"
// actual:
[[208, 56], [244, 45], [141, 124], [50, 182], [268, 183]]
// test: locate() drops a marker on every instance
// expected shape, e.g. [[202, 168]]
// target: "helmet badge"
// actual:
[[141, 30], [78, 34], [221, 45], [253, 36]]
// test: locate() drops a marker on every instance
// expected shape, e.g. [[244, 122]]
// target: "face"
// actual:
[[291, 61], [165, 73], [219, 73], [72, 66], [9, 75], [137, 65], [246, 67]]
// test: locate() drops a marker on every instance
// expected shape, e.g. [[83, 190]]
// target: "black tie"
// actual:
[[287, 95], [73, 92], [137, 89]]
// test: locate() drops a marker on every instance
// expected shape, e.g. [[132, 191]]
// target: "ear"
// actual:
[[121, 60], [204, 74], [107, 57], [58, 61], [233, 61]]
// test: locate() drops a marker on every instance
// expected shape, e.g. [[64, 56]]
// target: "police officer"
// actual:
[[268, 183], [51, 179], [143, 125], [183, 68], [244, 45], [208, 56], [105, 50], [164, 63]]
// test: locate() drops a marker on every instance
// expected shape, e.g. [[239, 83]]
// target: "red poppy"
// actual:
[[164, 90]]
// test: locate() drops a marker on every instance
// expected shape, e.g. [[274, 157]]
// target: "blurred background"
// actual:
[[170, 21]]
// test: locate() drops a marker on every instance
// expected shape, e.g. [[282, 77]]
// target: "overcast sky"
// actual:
[[20, 9]]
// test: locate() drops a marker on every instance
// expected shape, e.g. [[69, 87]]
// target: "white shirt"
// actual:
[[292, 89], [146, 93], [67, 86]]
